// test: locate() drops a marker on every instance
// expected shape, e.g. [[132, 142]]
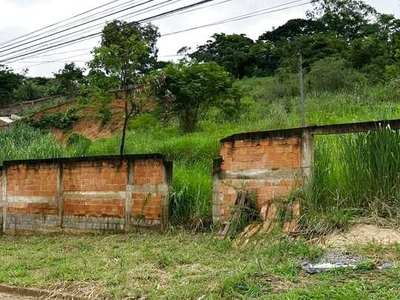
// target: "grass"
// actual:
[[23, 142], [186, 265], [355, 175], [265, 106]]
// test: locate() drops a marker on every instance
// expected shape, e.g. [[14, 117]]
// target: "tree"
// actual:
[[232, 52], [28, 90], [127, 53], [9, 82], [264, 57], [351, 19], [69, 77], [195, 88], [292, 29], [333, 75]]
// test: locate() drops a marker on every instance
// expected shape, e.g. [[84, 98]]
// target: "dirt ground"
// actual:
[[363, 234], [14, 297], [89, 123]]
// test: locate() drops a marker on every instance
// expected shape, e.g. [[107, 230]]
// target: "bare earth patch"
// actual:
[[14, 297], [363, 234]]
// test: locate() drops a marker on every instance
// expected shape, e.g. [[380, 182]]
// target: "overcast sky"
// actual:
[[19, 17]]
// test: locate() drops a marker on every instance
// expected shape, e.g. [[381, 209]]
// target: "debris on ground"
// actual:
[[231, 224], [361, 233], [339, 258]]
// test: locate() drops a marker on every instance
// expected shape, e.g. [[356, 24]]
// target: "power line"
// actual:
[[130, 14], [65, 60], [233, 19], [79, 32], [64, 52], [242, 17], [73, 27], [57, 23], [69, 42], [90, 17]]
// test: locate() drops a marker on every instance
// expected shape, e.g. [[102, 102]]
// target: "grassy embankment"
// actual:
[[183, 265], [355, 175], [341, 190]]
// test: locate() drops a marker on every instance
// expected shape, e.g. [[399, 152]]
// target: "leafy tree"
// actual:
[[125, 56], [28, 90], [196, 88], [350, 19], [292, 29], [313, 48], [69, 77], [265, 58], [9, 82], [333, 74], [232, 52]]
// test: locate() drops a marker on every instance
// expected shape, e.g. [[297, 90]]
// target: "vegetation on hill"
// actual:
[[230, 84], [351, 60]]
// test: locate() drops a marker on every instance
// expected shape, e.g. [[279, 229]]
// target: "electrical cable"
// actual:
[[59, 22], [46, 47], [233, 19]]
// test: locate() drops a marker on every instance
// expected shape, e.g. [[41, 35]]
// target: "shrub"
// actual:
[[57, 120], [77, 144], [332, 74]]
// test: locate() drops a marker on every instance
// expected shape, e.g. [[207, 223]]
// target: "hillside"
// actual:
[[88, 123]]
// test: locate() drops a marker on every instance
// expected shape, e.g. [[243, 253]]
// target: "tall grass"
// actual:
[[354, 175], [192, 156], [23, 142], [335, 194]]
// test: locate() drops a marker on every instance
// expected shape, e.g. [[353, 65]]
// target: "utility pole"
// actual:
[[302, 92]]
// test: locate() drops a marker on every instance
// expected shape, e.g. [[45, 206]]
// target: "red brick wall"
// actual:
[[269, 167], [147, 201], [1, 198], [90, 188], [32, 189], [101, 193]]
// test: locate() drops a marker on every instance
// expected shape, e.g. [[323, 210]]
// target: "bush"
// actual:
[[332, 75], [56, 120], [144, 121], [105, 115], [393, 89], [77, 144]]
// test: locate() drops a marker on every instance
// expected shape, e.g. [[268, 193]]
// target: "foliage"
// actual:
[[127, 53], [350, 30], [345, 186], [9, 82], [68, 78], [77, 145], [57, 120], [20, 141], [196, 88], [351, 19], [28, 90], [294, 28], [332, 74], [232, 52]]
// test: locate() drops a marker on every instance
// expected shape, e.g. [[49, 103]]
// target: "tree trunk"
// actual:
[[122, 148]]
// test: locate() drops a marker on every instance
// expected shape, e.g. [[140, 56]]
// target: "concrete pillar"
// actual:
[[60, 195], [307, 155], [128, 195], [165, 209], [4, 196], [216, 198]]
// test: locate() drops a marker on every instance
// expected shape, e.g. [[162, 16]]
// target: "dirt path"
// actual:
[[14, 297]]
